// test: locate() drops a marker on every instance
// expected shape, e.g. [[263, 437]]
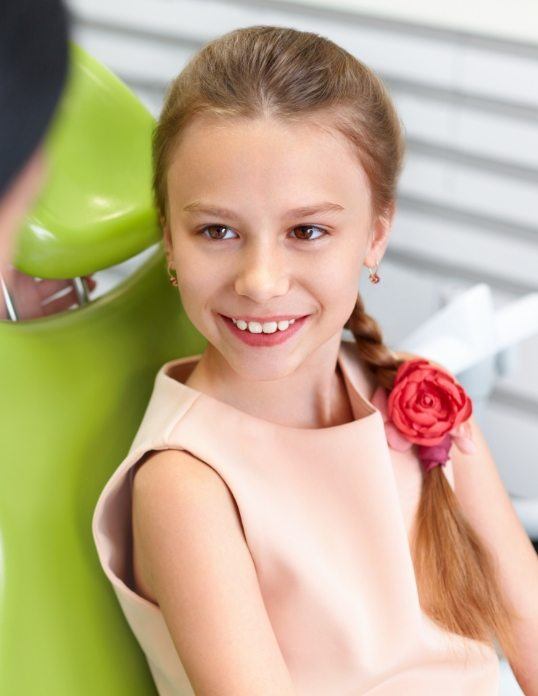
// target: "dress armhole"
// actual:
[[112, 531]]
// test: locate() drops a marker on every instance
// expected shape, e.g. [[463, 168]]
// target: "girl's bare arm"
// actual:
[[196, 563]]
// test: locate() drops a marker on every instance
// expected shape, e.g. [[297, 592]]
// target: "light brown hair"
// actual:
[[287, 74]]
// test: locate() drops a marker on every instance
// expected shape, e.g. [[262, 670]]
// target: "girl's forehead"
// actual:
[[218, 137], [280, 166], [257, 156]]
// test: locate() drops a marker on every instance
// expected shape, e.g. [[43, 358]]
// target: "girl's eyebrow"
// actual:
[[197, 208]]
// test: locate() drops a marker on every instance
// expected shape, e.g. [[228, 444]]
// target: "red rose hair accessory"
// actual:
[[427, 407]]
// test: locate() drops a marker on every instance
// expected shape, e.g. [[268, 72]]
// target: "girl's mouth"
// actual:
[[265, 339]]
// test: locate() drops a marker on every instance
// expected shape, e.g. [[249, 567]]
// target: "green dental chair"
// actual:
[[74, 387]]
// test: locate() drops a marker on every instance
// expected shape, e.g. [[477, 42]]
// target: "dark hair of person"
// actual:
[[33, 69]]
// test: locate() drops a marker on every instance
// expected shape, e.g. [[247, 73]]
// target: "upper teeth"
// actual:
[[266, 327]]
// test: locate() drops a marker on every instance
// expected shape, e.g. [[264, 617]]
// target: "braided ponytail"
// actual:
[[455, 573]]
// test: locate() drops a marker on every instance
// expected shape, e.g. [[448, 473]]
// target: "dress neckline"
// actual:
[[174, 372]]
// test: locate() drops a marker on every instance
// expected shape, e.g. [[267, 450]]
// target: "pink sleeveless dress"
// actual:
[[326, 514]]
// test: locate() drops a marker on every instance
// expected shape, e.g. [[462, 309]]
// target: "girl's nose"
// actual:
[[261, 279]]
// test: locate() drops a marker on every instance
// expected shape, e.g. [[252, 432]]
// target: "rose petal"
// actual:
[[410, 390], [424, 418], [462, 429], [465, 412], [465, 444], [440, 428], [407, 367], [379, 400], [395, 439], [462, 435], [403, 426], [446, 384], [418, 375]]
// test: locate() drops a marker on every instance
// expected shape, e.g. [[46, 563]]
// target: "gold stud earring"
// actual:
[[374, 278], [172, 274]]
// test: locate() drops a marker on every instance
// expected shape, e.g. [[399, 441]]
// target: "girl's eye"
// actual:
[[224, 227], [310, 227], [217, 227]]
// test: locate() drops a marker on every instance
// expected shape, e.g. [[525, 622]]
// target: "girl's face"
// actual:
[[255, 257]]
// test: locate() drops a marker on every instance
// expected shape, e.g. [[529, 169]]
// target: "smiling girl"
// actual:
[[300, 522]]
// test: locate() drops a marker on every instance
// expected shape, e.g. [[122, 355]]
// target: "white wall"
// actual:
[[516, 20]]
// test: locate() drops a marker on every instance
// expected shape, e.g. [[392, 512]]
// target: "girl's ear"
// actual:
[[167, 237], [380, 234]]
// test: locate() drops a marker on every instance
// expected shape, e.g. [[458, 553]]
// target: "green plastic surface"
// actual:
[[74, 387], [95, 209]]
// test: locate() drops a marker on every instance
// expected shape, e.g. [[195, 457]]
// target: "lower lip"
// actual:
[[263, 339]]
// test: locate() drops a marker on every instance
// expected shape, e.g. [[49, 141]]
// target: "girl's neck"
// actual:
[[283, 404]]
